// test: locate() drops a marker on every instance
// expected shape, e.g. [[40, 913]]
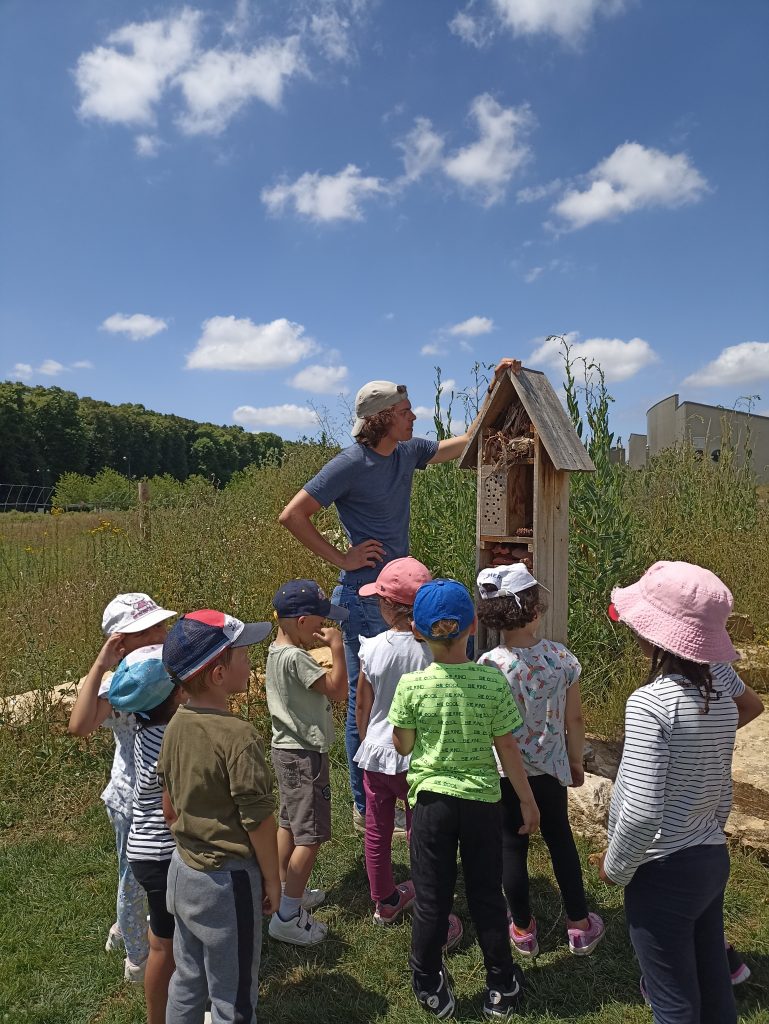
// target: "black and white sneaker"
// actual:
[[441, 1002], [501, 1004]]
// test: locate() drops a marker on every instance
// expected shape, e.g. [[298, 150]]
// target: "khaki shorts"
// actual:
[[305, 794]]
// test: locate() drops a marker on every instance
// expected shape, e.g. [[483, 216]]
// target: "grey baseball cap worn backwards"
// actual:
[[374, 397]]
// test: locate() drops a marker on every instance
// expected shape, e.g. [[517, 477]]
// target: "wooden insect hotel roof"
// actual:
[[555, 430]]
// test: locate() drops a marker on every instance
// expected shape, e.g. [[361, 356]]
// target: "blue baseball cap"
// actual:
[[197, 638], [305, 597], [443, 599], [140, 682]]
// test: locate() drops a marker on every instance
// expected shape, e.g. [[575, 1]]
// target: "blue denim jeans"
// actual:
[[364, 621], [675, 914]]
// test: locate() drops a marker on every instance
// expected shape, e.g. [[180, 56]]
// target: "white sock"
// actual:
[[289, 907]]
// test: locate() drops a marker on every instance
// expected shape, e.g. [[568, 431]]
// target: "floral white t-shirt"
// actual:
[[538, 678]]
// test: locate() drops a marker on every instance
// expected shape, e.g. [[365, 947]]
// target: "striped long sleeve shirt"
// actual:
[[674, 785]]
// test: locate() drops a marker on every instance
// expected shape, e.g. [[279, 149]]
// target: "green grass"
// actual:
[[57, 874]]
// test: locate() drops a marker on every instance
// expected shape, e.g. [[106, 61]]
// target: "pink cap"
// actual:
[[681, 608], [399, 581]]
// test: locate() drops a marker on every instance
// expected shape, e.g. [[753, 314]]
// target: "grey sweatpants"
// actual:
[[217, 942]]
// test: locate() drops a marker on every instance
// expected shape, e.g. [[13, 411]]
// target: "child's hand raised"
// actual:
[[329, 637], [112, 651]]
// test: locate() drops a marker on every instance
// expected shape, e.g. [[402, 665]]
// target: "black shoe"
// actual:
[[501, 1004], [439, 1003]]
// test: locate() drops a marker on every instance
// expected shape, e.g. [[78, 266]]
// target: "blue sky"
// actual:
[[229, 210]]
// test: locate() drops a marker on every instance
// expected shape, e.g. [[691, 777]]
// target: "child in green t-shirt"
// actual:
[[447, 717]]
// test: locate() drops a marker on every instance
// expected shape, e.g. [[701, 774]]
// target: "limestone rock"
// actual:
[[753, 666], [323, 657], [589, 807], [602, 756]]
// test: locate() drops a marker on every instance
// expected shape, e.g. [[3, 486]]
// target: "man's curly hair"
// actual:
[[375, 427]]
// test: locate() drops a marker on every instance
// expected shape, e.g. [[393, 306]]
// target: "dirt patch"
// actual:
[[751, 800]]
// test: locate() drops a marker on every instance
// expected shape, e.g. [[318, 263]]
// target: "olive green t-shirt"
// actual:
[[456, 710], [212, 764], [301, 716]]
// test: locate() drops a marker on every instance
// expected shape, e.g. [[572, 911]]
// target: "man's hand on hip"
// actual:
[[363, 556]]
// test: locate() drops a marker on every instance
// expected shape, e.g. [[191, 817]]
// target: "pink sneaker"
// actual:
[[582, 941], [454, 937], [386, 914], [524, 939]]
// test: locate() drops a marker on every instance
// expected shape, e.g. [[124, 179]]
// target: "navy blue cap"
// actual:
[[197, 638], [442, 599], [305, 597]]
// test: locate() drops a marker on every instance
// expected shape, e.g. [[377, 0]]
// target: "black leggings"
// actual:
[[552, 801]]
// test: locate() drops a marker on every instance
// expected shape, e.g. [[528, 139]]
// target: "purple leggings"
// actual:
[[382, 791]]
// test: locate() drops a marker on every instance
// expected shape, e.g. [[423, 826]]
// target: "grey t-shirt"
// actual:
[[372, 494], [301, 716]]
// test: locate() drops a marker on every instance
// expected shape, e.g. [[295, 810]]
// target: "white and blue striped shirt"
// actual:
[[674, 785], [150, 837]]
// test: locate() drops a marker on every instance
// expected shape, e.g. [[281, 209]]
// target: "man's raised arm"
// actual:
[[453, 447]]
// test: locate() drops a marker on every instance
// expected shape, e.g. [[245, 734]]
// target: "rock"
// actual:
[[589, 807], [323, 657], [21, 708], [602, 756], [748, 830], [740, 627], [753, 666]]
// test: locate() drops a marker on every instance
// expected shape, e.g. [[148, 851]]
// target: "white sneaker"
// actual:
[[114, 939], [302, 930], [134, 973], [313, 898]]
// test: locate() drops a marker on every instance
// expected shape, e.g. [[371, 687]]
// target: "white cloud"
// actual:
[[82, 364], [231, 344], [147, 145], [486, 166], [618, 359], [531, 276], [124, 85], [50, 368], [298, 416], [432, 348], [448, 385], [321, 380], [325, 197], [632, 178], [330, 32], [220, 82], [422, 149], [473, 326], [736, 364], [423, 412], [137, 326], [567, 19], [470, 29], [537, 192]]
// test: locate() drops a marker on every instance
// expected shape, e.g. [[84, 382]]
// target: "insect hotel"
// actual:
[[523, 448]]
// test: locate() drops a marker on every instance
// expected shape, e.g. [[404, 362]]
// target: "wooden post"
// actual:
[[144, 511]]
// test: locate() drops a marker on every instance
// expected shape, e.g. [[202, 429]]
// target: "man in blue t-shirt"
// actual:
[[370, 484]]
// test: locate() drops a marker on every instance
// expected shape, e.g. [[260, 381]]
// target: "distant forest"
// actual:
[[45, 432]]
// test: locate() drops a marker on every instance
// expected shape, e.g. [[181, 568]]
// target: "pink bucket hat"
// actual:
[[681, 608], [399, 581]]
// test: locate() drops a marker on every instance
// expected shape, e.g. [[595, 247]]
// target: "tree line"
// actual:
[[45, 432]]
